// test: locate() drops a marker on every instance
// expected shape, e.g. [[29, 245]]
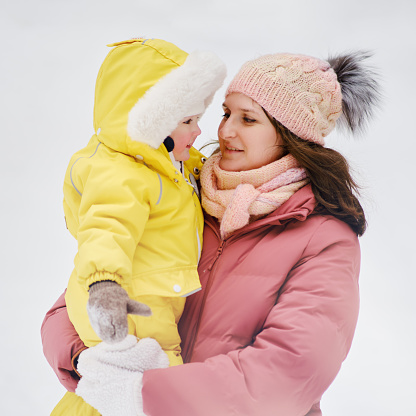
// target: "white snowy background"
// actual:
[[50, 54]]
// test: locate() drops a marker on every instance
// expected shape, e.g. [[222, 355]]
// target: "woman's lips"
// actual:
[[232, 149]]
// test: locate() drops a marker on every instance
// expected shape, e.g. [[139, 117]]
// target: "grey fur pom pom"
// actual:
[[360, 89]]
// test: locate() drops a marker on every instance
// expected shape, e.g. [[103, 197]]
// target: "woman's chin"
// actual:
[[230, 165]]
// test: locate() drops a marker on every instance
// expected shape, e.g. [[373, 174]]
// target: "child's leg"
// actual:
[[162, 325], [73, 405]]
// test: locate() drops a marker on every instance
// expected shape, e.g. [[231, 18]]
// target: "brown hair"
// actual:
[[332, 184], [329, 173]]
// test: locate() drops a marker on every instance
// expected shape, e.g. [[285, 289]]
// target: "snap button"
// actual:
[[175, 180], [140, 157], [176, 172], [203, 159], [177, 288], [196, 171]]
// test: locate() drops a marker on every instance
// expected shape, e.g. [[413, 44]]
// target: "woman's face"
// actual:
[[248, 140], [184, 137]]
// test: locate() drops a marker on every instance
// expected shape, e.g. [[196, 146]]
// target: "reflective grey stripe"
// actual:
[[82, 157], [199, 243], [160, 195], [191, 293], [160, 181]]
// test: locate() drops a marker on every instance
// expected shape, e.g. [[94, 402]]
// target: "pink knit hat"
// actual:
[[300, 92]]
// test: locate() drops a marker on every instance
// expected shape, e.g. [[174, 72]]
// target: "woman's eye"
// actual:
[[249, 120], [188, 121], [225, 115]]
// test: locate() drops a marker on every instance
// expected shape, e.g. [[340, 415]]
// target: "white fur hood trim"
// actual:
[[163, 106]]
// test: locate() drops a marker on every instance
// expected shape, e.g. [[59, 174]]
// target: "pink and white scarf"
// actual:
[[237, 198]]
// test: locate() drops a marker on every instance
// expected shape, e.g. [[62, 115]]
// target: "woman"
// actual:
[[279, 269]]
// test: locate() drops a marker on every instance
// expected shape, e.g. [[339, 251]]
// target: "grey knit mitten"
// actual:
[[108, 306]]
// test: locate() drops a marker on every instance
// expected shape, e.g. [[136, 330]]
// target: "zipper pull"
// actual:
[[219, 251]]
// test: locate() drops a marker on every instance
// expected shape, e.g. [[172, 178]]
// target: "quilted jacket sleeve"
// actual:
[[61, 343], [112, 215], [292, 360]]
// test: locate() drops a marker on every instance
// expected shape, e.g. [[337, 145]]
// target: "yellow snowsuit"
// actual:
[[137, 226], [136, 217]]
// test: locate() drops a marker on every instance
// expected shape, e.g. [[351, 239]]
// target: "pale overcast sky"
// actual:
[[50, 55]]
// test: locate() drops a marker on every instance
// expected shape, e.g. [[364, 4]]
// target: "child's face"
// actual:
[[184, 137]]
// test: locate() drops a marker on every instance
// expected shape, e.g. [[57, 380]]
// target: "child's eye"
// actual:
[[188, 121], [249, 120], [225, 115]]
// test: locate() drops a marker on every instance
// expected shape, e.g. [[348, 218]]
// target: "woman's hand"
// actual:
[[112, 374]]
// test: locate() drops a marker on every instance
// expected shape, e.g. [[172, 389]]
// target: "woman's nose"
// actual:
[[226, 129]]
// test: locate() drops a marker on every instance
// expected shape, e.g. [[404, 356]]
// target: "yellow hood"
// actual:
[[145, 87]]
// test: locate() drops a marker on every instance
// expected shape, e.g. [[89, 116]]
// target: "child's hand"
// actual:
[[108, 306]]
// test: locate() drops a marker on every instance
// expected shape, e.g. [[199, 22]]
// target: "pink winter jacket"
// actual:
[[269, 330]]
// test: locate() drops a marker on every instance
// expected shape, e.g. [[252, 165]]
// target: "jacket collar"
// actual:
[[298, 207]]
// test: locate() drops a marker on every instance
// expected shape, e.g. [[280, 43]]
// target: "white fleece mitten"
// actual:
[[112, 374]]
